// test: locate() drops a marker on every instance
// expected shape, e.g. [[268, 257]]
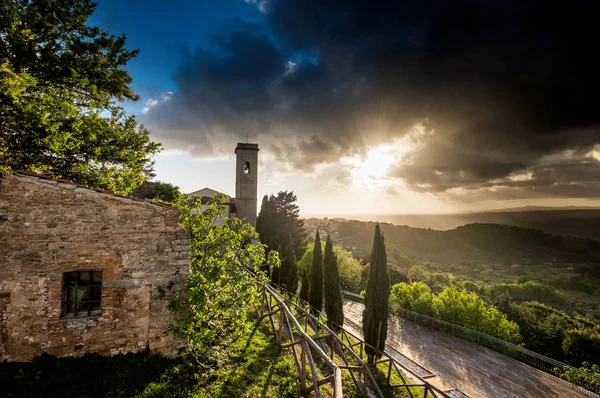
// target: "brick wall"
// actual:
[[47, 228]]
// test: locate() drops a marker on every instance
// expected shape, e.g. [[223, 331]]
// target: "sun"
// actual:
[[376, 163], [372, 168]]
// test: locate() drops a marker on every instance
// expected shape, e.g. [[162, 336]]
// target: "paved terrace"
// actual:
[[474, 370]]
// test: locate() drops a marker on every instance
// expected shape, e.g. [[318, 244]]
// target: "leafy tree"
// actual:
[[469, 310], [334, 303], [471, 286], [459, 307], [528, 291], [375, 314], [399, 258], [397, 274], [542, 327], [218, 290], [278, 219], [415, 297], [61, 82], [583, 344], [417, 273], [290, 268], [158, 190], [439, 281], [315, 292]]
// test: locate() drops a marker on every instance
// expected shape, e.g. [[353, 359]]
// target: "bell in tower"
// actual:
[[246, 182]]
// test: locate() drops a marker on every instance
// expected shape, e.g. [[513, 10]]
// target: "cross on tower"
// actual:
[[246, 137]]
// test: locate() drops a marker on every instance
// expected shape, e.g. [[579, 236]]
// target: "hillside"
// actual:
[[494, 244], [580, 222]]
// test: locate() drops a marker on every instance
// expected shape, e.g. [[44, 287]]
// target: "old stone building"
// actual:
[[84, 270]]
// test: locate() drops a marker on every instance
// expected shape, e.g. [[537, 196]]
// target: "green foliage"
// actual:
[[375, 314], [417, 273], [471, 286], [576, 283], [439, 281], [257, 367], [583, 343], [528, 291], [219, 290], [469, 310], [278, 219], [61, 82], [397, 274], [290, 268], [157, 190], [398, 258], [542, 327], [351, 269], [315, 293], [578, 378], [415, 296], [459, 307], [334, 303], [304, 288]]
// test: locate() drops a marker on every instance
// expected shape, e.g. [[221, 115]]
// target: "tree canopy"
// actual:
[[459, 307], [61, 82], [158, 190], [278, 219]]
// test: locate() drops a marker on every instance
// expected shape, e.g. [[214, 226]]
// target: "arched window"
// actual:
[[247, 168]]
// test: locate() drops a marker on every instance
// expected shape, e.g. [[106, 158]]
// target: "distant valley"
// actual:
[[570, 221], [485, 253]]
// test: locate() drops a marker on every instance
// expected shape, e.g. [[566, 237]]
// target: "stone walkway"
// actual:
[[474, 370]]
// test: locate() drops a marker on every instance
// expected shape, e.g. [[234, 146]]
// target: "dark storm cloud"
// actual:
[[501, 87]]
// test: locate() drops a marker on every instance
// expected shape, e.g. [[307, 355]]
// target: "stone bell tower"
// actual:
[[246, 182]]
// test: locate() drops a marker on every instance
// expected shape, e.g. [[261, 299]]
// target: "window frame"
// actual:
[[85, 306]]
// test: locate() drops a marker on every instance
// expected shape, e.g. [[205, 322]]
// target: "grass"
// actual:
[[257, 367]]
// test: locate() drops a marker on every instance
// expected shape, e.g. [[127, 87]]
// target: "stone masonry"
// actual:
[[49, 227]]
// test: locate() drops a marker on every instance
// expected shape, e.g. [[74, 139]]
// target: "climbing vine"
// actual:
[[220, 291]]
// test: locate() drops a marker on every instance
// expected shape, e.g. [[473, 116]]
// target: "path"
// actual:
[[474, 370]]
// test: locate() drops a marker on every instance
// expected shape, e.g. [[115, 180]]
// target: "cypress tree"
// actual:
[[305, 285], [315, 292], [334, 304], [377, 294], [291, 268]]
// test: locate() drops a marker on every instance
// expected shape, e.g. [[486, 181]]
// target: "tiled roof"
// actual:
[[100, 190]]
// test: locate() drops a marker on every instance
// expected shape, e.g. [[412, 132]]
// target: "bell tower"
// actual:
[[246, 182]]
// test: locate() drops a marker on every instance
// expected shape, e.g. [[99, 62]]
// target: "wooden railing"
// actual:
[[290, 334], [311, 341]]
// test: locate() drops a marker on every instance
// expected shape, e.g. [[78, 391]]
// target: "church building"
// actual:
[[244, 205]]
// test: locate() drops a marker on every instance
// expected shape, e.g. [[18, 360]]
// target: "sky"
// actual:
[[372, 107]]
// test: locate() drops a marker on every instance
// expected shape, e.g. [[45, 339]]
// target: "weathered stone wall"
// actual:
[[50, 227]]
